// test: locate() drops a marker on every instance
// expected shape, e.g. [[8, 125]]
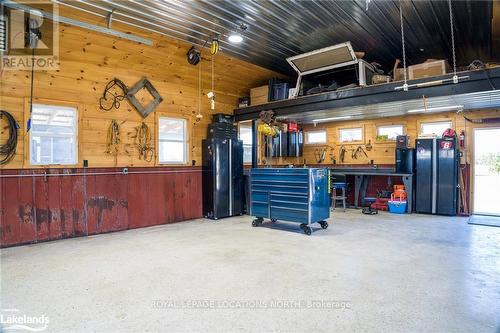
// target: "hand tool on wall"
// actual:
[[320, 154], [342, 154], [369, 146], [332, 154], [363, 151], [357, 151]]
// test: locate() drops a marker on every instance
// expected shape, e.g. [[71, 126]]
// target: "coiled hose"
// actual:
[[8, 150]]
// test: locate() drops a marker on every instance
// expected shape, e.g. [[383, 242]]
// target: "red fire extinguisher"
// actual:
[[461, 139]]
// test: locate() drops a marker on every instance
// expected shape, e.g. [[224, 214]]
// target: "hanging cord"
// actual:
[[114, 96], [33, 36], [455, 77], [143, 142], [32, 79], [113, 138], [405, 85], [199, 89], [199, 115], [8, 150], [212, 97]]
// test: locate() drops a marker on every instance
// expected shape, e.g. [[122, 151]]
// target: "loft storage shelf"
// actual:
[[481, 90]]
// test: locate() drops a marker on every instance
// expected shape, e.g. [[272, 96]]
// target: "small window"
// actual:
[[245, 135], [434, 128], [53, 135], [351, 134], [313, 137], [172, 135], [392, 131]]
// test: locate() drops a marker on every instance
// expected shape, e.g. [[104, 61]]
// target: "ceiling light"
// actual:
[[440, 108], [330, 119], [235, 38]]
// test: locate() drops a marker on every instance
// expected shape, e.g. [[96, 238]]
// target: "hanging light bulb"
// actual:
[[235, 38]]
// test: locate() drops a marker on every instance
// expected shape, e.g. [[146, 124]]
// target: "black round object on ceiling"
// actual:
[[193, 56]]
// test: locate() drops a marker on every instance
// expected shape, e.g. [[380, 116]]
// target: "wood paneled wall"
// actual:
[[383, 152], [88, 60]]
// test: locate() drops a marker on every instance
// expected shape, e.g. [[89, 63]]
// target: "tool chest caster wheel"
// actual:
[[323, 224], [307, 230], [257, 222]]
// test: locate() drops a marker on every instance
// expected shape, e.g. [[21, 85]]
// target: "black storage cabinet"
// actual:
[[222, 177], [437, 164]]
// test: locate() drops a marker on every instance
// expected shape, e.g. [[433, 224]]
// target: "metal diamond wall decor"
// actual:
[[144, 110]]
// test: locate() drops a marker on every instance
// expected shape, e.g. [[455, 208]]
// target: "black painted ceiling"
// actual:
[[279, 29]]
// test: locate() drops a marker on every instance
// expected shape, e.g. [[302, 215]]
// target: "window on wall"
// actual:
[[434, 128], [392, 131], [245, 135], [53, 135], [313, 137], [172, 140], [351, 134]]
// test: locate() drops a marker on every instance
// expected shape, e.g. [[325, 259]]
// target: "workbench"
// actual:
[[362, 176]]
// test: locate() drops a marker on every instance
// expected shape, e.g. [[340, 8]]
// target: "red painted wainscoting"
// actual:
[[91, 201]]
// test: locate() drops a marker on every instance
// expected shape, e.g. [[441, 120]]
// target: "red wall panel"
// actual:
[[62, 203]]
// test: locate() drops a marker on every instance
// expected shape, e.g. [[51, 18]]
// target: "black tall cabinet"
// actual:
[[222, 157], [437, 166]]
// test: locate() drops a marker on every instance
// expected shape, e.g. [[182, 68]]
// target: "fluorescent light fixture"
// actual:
[[330, 119], [235, 38], [440, 108]]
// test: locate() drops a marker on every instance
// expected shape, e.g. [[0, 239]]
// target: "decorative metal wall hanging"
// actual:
[[114, 92], [144, 84]]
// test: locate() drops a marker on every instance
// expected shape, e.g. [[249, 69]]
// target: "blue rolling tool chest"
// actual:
[[298, 195]]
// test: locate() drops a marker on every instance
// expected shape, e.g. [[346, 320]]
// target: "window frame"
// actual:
[[27, 138], [403, 127], [422, 123], [316, 130], [186, 140], [340, 129], [243, 143]]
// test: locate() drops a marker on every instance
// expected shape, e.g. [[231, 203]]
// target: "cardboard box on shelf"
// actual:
[[399, 74], [378, 78], [259, 95], [431, 67]]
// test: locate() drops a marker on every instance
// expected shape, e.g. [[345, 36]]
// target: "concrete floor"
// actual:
[[385, 273]]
